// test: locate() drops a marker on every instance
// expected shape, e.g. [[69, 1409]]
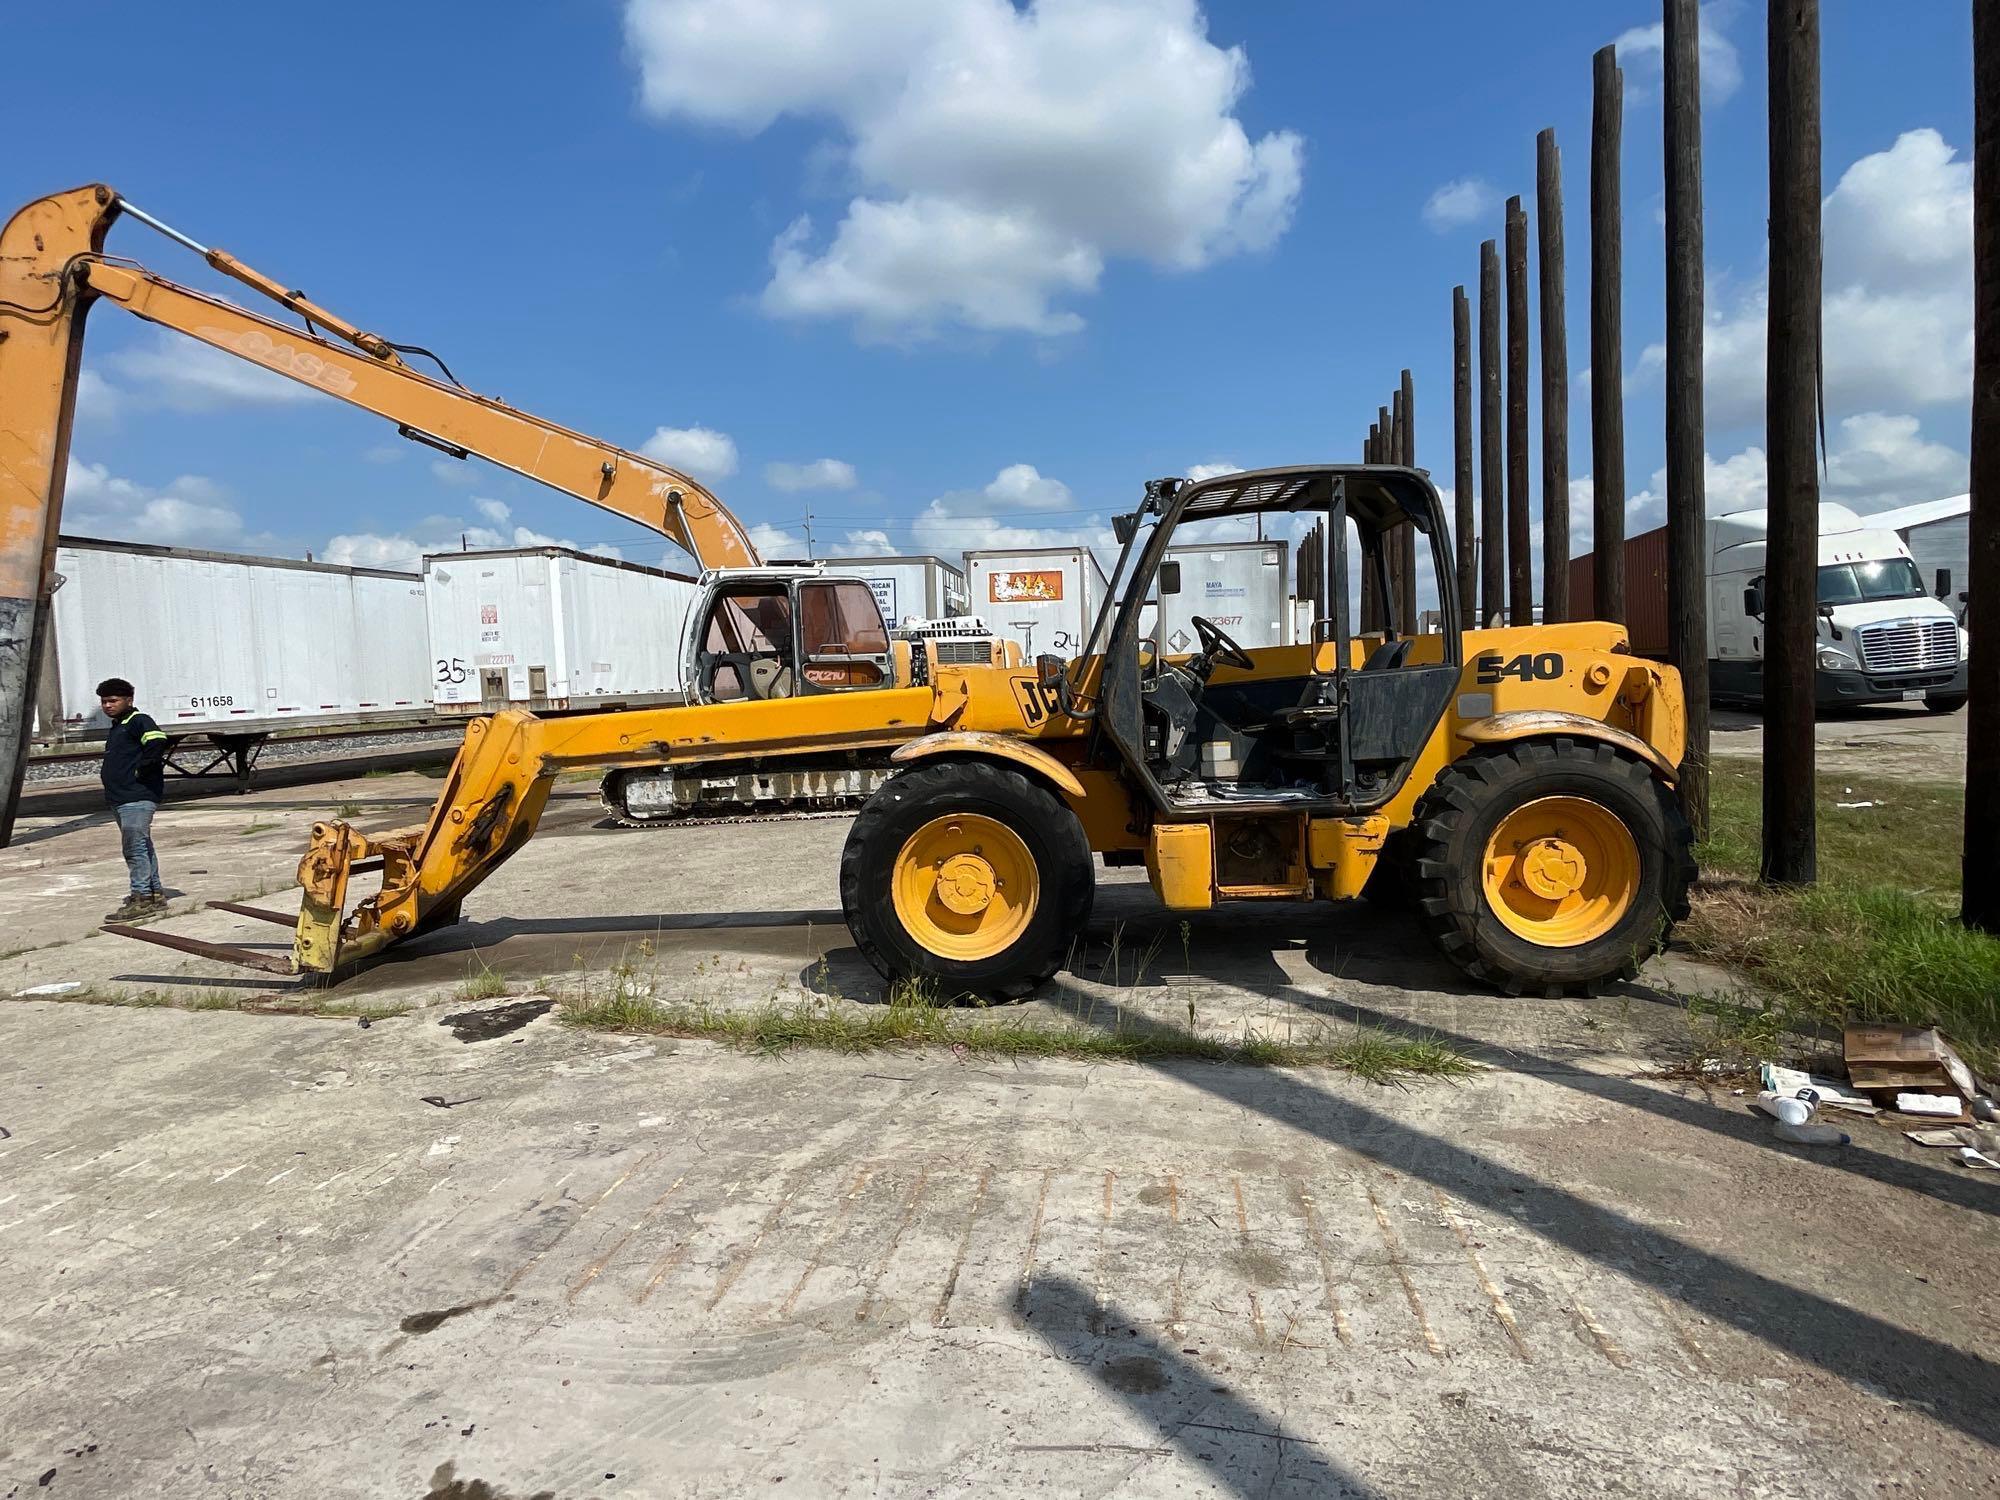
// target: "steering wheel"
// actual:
[[1218, 648]]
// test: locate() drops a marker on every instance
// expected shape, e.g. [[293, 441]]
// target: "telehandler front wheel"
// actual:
[[1551, 866], [968, 875]]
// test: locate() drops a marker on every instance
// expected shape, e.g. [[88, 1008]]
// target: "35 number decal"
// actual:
[[1544, 667], [452, 671]]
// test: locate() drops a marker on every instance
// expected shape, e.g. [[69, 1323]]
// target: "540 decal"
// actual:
[[1545, 666]]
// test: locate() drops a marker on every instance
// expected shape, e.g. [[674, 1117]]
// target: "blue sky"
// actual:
[[973, 272]]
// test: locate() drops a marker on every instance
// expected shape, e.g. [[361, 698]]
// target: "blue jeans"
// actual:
[[135, 831]]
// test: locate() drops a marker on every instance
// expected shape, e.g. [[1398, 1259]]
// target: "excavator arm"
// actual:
[[53, 270]]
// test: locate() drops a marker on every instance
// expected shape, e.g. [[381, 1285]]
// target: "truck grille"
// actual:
[[962, 653], [1908, 645]]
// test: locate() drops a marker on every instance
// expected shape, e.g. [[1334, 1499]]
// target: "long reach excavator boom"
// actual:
[[53, 269]]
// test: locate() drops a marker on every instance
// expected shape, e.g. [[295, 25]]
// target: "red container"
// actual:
[[1645, 591]]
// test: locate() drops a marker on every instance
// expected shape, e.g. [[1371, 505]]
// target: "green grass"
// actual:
[[255, 827], [258, 1002], [480, 983], [912, 1019], [1877, 939]]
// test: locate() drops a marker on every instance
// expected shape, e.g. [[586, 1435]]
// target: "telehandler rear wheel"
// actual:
[[1551, 866], [968, 874]]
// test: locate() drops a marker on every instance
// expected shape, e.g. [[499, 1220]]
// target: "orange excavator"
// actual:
[[756, 632]]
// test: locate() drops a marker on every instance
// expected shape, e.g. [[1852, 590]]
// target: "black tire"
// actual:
[[1067, 877], [1392, 884], [1466, 804], [1943, 703]]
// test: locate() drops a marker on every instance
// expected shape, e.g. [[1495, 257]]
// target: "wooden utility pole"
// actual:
[[1791, 405], [1461, 456], [1371, 593], [1492, 511], [1520, 565], [1981, 886], [1555, 380], [1607, 337], [1406, 536], [1687, 504], [1392, 452]]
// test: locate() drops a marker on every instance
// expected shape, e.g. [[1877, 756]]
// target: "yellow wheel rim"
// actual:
[[965, 886], [1561, 871]]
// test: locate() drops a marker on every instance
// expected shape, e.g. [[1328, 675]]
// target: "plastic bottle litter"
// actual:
[[1793, 1122]]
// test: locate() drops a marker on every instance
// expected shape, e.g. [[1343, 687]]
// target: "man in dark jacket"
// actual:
[[135, 756]]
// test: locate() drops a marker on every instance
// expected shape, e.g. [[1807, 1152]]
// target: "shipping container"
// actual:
[[549, 629], [1044, 598], [1645, 591], [910, 588], [217, 643], [1241, 587]]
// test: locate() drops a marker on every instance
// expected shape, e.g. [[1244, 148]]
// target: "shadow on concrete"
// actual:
[[1876, 1356], [1726, 1120], [1244, 1450]]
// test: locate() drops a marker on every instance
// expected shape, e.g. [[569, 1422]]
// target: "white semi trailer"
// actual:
[[1241, 586], [227, 650], [554, 630], [1045, 599], [1881, 637]]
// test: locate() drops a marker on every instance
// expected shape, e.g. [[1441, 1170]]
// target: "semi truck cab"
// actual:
[[1881, 637]]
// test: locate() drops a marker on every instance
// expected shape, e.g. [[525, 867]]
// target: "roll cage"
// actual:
[[1308, 730]]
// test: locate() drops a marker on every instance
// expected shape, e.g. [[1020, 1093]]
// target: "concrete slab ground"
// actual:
[[1899, 739], [276, 1255]]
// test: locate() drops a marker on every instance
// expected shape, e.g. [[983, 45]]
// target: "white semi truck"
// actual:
[[1881, 637]]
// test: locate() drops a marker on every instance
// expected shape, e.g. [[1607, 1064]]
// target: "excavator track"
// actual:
[[790, 791]]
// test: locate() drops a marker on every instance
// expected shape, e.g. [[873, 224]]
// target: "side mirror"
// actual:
[[1944, 583], [1826, 613], [1050, 670], [1753, 601], [1170, 578]]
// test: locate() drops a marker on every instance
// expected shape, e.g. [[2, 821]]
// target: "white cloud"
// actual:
[[995, 156], [97, 399], [872, 543], [455, 472], [699, 451], [774, 541], [188, 512], [405, 550], [1461, 201], [906, 267], [1874, 460], [1001, 513], [1199, 472], [182, 375], [1897, 305], [1641, 51], [1880, 460], [820, 474]]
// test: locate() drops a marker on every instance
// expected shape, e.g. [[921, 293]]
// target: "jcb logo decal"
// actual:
[[1545, 667], [1037, 702]]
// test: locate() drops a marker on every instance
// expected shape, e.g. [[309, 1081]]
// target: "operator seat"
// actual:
[[1388, 656]]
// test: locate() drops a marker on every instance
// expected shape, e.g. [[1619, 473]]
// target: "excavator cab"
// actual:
[[761, 633]]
